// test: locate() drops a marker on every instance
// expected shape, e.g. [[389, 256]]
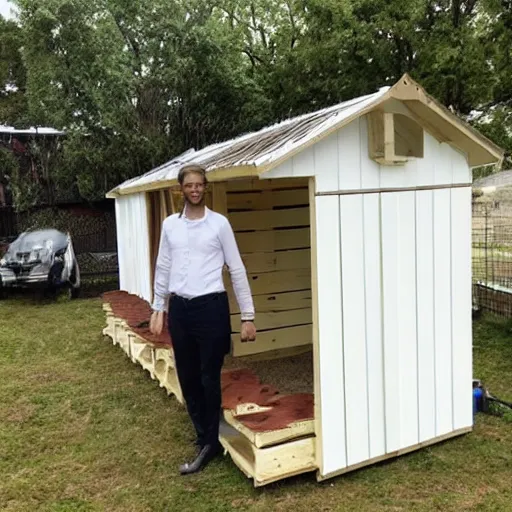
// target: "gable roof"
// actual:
[[254, 153]]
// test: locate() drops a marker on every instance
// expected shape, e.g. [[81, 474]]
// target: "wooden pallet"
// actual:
[[267, 465], [265, 457]]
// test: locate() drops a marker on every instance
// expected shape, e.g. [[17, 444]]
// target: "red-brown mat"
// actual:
[[242, 386], [134, 311], [285, 411], [239, 386]]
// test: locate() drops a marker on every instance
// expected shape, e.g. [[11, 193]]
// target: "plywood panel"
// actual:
[[370, 170], [275, 339], [283, 281], [390, 222], [275, 301], [461, 307], [266, 199], [373, 321], [280, 260], [442, 311], [275, 320], [426, 166], [269, 219], [461, 172], [425, 287], [349, 157], [304, 163], [407, 320], [330, 334], [443, 165], [265, 184], [326, 163], [354, 327], [268, 241]]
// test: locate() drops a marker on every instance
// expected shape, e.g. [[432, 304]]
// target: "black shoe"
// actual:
[[206, 454]]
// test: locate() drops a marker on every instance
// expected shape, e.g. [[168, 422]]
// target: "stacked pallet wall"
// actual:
[[270, 219]]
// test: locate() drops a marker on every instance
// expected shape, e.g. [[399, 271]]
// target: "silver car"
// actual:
[[41, 258]]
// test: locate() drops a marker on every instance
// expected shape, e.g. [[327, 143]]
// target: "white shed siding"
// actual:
[[133, 245], [461, 306], [394, 292], [330, 332], [340, 162]]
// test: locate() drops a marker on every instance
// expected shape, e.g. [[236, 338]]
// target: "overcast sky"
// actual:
[[5, 8]]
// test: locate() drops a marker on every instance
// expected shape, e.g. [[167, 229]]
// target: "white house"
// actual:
[[355, 226]]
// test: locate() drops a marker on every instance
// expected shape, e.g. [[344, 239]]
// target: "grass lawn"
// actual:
[[84, 429]]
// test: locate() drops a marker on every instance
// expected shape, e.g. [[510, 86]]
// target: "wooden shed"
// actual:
[[354, 223]]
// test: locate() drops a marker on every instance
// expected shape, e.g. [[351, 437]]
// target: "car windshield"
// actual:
[[44, 239]]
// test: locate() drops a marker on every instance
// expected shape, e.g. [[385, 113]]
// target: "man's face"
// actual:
[[193, 188]]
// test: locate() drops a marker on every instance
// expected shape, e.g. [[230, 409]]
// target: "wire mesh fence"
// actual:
[[492, 256]]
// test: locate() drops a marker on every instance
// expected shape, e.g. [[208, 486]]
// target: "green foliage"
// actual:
[[136, 83]]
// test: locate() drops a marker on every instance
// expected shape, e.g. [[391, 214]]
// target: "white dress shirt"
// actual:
[[191, 257]]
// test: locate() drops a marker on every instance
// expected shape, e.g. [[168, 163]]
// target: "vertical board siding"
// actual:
[[373, 322], [330, 333], [354, 327], [461, 307], [133, 245], [327, 164], [390, 223], [370, 169], [461, 172], [442, 311], [407, 334], [425, 309], [349, 157]]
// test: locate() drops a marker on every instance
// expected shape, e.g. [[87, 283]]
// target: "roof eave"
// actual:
[[216, 174], [480, 150]]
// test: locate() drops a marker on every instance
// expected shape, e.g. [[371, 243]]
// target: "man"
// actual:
[[194, 246]]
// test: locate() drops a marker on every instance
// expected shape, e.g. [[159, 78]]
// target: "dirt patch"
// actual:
[[18, 413]]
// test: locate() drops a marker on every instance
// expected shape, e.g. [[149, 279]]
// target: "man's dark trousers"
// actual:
[[200, 329]]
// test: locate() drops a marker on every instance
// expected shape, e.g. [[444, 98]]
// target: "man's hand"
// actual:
[[157, 322], [248, 331]]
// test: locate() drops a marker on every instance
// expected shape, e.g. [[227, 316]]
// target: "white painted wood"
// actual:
[[390, 303], [461, 172], [407, 333], [373, 322], [326, 164], [354, 327], [461, 307], [425, 311], [425, 166], [370, 169], [330, 335], [442, 311], [443, 174], [349, 156], [285, 170], [304, 163]]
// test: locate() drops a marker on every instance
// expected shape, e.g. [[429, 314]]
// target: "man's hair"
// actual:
[[188, 168]]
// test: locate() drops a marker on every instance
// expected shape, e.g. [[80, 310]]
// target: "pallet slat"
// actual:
[[274, 301], [274, 261], [269, 219], [273, 240], [267, 199], [274, 320], [275, 339]]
